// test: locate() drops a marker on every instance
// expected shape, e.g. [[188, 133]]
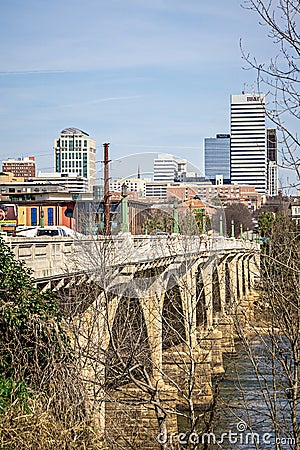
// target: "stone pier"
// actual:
[[155, 337]]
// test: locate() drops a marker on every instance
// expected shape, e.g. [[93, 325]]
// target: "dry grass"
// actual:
[[41, 430]]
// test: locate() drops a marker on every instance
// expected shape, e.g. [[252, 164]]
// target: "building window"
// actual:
[[58, 167], [34, 217], [84, 165], [50, 216]]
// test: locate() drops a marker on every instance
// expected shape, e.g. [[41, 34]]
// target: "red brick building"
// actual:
[[21, 167]]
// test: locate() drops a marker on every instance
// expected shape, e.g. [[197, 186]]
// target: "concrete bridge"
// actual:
[[157, 317]]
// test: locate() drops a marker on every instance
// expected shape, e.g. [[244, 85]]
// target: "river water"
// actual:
[[243, 419]]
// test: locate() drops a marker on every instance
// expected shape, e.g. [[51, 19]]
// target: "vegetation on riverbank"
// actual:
[[274, 326], [41, 400]]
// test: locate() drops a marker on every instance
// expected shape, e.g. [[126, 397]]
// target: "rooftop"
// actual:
[[73, 131]]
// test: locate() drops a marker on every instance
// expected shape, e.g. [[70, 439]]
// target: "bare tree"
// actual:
[[236, 215], [270, 333], [142, 338], [274, 326], [279, 77], [42, 405]]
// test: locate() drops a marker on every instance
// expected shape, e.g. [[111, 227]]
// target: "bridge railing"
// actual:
[[45, 257], [49, 256]]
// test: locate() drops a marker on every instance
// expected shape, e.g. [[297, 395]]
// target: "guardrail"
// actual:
[[51, 256]]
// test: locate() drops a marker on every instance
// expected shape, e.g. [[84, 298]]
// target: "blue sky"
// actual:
[[146, 76]]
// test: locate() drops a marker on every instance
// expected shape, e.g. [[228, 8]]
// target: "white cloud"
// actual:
[[100, 100]]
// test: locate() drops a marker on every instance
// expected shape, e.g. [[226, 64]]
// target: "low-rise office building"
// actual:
[[21, 168]]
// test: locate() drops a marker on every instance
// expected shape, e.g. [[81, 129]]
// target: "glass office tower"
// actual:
[[217, 157]]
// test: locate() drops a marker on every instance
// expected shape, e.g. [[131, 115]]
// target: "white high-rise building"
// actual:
[[133, 185], [167, 168], [75, 154], [272, 178], [248, 159]]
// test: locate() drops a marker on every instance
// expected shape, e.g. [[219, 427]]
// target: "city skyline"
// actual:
[[143, 77]]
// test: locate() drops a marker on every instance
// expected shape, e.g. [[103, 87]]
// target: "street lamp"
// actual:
[[221, 226], [203, 217], [124, 209], [175, 218], [42, 220]]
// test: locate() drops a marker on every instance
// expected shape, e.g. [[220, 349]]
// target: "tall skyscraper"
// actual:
[[272, 162], [217, 157], [248, 161], [75, 153]]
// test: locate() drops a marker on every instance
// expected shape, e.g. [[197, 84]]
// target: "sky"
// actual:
[[146, 76]]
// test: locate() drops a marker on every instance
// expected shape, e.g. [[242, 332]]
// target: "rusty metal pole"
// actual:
[[106, 192]]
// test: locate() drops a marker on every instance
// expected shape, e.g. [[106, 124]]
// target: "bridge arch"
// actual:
[[128, 348], [173, 317], [216, 296], [242, 275], [243, 263], [201, 307], [227, 283]]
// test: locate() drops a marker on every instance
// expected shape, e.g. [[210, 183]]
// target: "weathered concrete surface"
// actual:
[[160, 279]]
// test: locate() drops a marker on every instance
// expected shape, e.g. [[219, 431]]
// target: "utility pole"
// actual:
[[106, 162]]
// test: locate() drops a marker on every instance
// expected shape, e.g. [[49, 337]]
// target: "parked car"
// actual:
[[50, 231], [159, 233]]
